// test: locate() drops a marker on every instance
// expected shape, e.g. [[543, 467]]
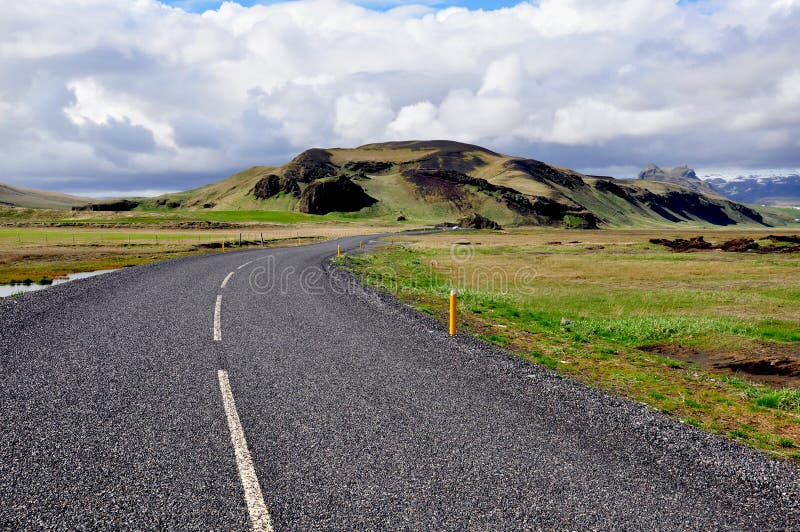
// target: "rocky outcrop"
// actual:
[[476, 221], [121, 205], [339, 194], [272, 185], [680, 175], [311, 165], [267, 187]]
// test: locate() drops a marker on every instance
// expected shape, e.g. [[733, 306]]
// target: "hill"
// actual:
[[11, 196], [680, 175], [434, 181]]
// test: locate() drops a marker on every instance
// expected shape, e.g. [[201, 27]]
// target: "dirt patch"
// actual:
[[771, 364], [683, 245], [737, 245], [740, 245]]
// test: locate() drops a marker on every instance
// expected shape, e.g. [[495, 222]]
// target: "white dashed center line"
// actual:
[[225, 282], [218, 320], [259, 516]]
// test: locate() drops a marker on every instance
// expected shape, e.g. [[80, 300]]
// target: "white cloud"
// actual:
[[417, 121], [362, 116], [126, 90], [589, 120]]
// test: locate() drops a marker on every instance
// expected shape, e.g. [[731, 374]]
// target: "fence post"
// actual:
[[453, 302]]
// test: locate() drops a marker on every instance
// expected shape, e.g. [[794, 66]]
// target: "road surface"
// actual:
[[251, 389]]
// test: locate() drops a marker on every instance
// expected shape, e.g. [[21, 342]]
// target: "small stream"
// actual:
[[11, 289]]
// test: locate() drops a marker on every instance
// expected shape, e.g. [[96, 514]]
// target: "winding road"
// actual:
[[259, 390]]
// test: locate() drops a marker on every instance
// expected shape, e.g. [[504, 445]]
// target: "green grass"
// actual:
[[788, 399], [281, 217]]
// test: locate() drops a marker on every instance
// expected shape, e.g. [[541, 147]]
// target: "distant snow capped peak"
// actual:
[[732, 175], [768, 186]]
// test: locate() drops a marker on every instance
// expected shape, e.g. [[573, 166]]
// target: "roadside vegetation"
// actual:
[[711, 338]]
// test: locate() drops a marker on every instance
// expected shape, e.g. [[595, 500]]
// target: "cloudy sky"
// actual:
[[126, 96]]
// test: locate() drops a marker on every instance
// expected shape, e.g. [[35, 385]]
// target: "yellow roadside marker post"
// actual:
[[360, 244], [338, 250], [223, 246], [453, 301]]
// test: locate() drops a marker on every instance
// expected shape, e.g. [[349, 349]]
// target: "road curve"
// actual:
[[343, 410]]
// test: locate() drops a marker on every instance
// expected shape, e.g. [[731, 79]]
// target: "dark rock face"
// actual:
[[273, 185], [476, 221], [442, 184], [121, 205], [456, 161], [290, 186], [401, 218], [209, 205], [334, 195], [311, 165], [368, 167], [690, 204], [542, 172], [449, 185], [267, 187], [606, 185], [680, 175]]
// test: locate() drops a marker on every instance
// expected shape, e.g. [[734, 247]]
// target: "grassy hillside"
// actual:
[[11, 196]]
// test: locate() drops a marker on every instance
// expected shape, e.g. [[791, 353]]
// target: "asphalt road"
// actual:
[[129, 401]]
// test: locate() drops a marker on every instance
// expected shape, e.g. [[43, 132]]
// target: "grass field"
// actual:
[[13, 217], [614, 311], [41, 254]]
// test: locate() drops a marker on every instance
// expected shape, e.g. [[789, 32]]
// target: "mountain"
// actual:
[[11, 196], [680, 175], [435, 181], [766, 188]]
